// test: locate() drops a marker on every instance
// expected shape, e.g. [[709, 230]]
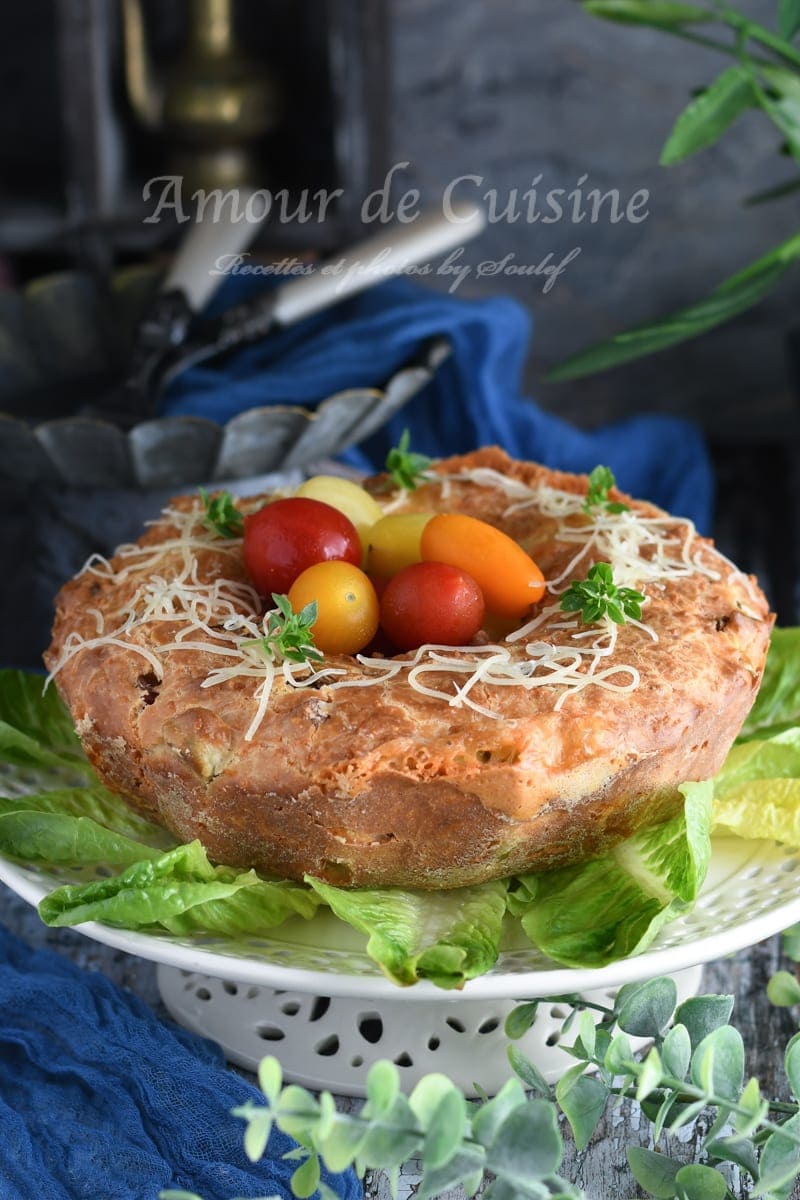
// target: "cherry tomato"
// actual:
[[394, 542], [285, 537], [431, 602], [347, 607], [349, 498], [509, 578]]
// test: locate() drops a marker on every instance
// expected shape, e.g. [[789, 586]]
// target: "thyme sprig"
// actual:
[[597, 596], [289, 634], [221, 514], [601, 481], [406, 469]]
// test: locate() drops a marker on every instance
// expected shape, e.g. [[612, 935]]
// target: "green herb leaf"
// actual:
[[658, 14], [731, 297], [601, 481], [289, 633], [222, 515], [788, 18], [697, 1182], [783, 990], [406, 468], [583, 1106], [702, 1014], [707, 117], [653, 1171], [597, 596]]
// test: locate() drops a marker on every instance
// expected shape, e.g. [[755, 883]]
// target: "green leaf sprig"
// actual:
[[601, 481], [690, 1072], [406, 469], [289, 633], [222, 515], [763, 75], [597, 596]]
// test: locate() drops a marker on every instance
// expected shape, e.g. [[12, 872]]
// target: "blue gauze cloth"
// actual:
[[474, 399], [100, 1100]]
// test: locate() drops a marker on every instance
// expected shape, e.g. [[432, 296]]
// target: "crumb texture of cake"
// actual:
[[541, 746]]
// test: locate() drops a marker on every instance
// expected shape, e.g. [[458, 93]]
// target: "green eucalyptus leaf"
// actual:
[[676, 1051], [393, 1138], [256, 1135], [792, 1064], [444, 1129], [780, 1162], [686, 1114], [587, 1032], [527, 1145], [650, 1075], [755, 1110], [702, 1014], [718, 1063], [341, 1143], [270, 1078], [668, 1103], [568, 1081], [783, 989], [306, 1178], [740, 1151], [520, 1019], [583, 1106], [296, 1112], [644, 1009], [653, 1171], [490, 1116], [619, 1055], [660, 14], [465, 1168], [382, 1086], [790, 941], [696, 1182], [528, 1072], [788, 18], [710, 114]]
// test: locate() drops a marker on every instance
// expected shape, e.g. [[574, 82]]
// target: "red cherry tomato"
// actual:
[[431, 602], [285, 537]]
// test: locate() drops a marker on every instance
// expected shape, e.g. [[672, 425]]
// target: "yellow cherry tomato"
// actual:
[[350, 499], [509, 579], [347, 606], [394, 543]]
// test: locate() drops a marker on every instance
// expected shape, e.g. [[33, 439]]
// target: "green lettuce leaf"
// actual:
[[181, 892], [611, 907], [35, 727], [95, 802], [51, 837], [777, 705], [447, 937], [757, 792]]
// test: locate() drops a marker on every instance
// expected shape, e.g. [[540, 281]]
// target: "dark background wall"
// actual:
[[509, 89]]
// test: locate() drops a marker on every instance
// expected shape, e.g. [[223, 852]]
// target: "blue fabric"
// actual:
[[100, 1099], [474, 399]]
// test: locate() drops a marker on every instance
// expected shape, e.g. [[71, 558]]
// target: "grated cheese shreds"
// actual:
[[222, 618]]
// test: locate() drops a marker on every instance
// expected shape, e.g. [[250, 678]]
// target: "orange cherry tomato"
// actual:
[[509, 579], [347, 607]]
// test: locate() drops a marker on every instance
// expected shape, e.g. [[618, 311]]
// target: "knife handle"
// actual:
[[378, 257], [191, 273]]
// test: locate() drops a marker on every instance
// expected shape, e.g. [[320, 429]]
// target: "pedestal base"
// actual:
[[325, 1042]]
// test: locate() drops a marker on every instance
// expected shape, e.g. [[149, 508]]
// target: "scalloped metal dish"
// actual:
[[59, 335], [752, 892]]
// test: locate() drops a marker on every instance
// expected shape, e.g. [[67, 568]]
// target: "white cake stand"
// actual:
[[308, 993]]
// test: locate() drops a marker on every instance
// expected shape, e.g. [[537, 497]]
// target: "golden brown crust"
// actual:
[[385, 785]]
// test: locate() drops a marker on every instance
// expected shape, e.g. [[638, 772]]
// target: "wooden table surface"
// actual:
[[602, 1169]]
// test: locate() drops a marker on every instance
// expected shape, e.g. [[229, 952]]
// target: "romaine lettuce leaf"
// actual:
[[95, 802], [35, 727], [50, 837], [777, 705], [181, 892], [447, 937], [757, 792], [591, 914]]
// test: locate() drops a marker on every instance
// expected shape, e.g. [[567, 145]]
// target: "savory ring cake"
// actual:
[[535, 747]]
